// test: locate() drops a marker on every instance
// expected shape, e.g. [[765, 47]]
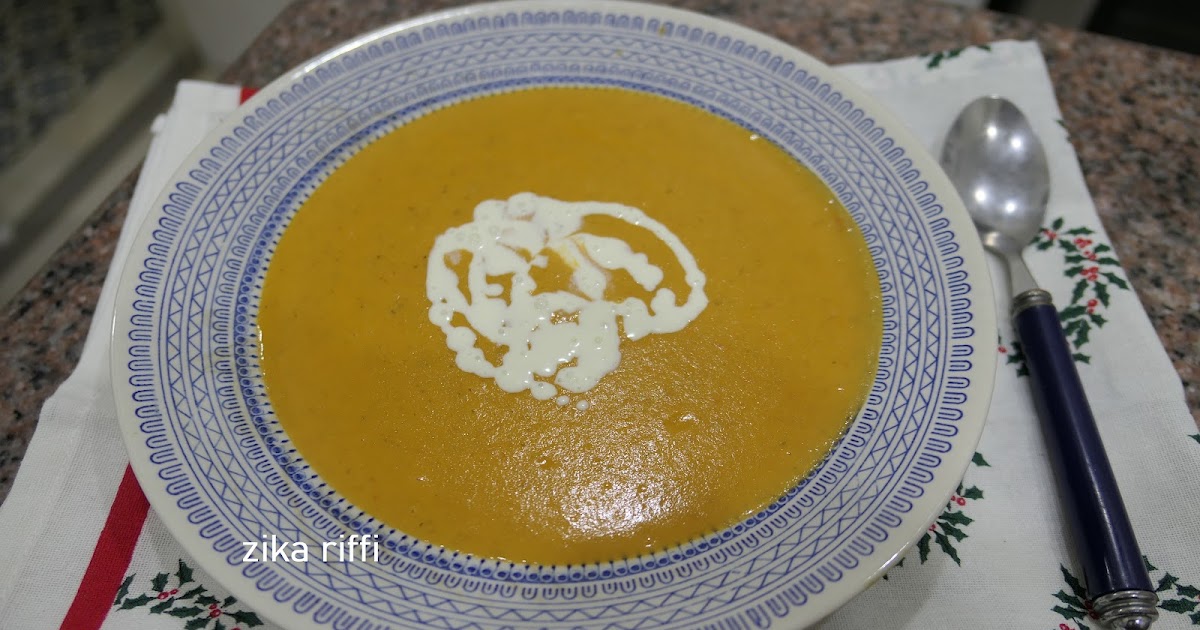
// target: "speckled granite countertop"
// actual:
[[1133, 113]]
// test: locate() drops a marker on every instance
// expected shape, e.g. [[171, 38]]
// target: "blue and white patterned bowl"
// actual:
[[219, 470]]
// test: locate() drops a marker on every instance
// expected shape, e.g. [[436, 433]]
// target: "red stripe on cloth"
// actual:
[[114, 549], [111, 557]]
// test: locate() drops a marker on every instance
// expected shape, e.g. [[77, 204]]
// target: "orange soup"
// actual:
[[418, 318]]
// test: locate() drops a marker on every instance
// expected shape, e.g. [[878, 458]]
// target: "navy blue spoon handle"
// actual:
[[1104, 538]]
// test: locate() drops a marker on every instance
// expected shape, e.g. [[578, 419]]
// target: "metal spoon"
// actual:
[[999, 168]]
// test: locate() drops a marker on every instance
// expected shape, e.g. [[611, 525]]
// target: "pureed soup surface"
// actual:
[[693, 430]]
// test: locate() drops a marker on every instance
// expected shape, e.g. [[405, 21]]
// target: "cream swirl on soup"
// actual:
[[570, 333]]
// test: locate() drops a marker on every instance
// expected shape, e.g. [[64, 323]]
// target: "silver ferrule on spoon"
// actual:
[[1029, 299]]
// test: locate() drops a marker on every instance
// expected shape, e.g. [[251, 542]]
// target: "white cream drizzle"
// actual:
[[511, 237]]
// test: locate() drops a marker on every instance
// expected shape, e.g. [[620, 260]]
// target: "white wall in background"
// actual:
[[220, 29]]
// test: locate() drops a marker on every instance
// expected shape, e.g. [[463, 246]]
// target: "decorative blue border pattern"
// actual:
[[220, 452]]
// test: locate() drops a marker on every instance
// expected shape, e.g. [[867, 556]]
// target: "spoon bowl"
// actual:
[[999, 167]]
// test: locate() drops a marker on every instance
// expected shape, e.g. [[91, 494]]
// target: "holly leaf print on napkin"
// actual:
[[201, 610], [1013, 355], [1096, 274], [936, 58], [949, 528], [1173, 597]]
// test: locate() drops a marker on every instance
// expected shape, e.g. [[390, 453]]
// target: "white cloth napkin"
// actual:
[[997, 558]]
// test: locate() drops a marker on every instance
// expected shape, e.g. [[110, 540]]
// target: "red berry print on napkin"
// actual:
[[1173, 597], [1096, 273], [196, 604]]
